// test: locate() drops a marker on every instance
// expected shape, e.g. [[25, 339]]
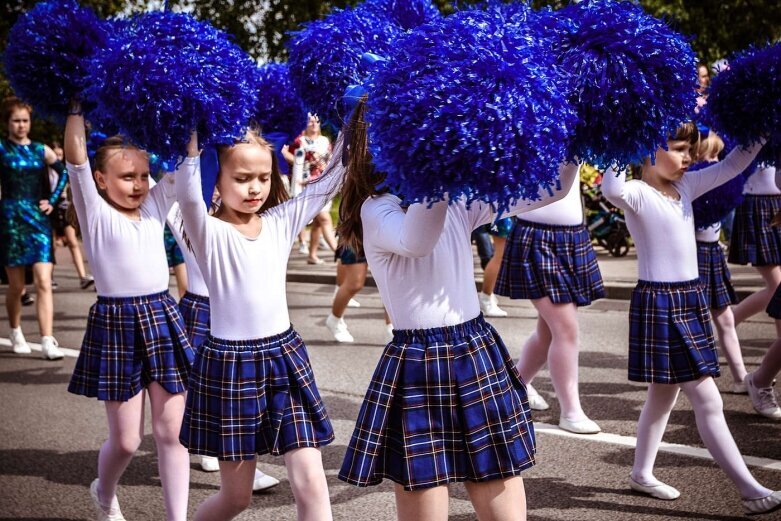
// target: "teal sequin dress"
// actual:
[[25, 231]]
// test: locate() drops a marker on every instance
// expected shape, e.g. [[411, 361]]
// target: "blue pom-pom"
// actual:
[[279, 108], [634, 79], [168, 73], [325, 57], [407, 14], [744, 101], [714, 205], [468, 106], [47, 51]]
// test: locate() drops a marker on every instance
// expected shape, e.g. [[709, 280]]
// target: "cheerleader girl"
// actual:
[[135, 341], [499, 230], [252, 389], [754, 241], [550, 261], [445, 403], [715, 278], [671, 343], [194, 308]]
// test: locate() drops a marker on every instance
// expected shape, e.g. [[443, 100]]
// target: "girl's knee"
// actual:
[[354, 286], [126, 444]]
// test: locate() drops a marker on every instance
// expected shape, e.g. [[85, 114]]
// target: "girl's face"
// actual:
[[313, 123], [19, 125], [244, 182], [704, 77], [672, 163], [125, 179]]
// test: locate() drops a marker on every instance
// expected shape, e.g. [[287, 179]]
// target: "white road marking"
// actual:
[[671, 448], [73, 353]]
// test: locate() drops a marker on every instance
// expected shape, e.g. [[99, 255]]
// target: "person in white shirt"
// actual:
[[671, 344], [252, 389], [446, 403], [135, 341]]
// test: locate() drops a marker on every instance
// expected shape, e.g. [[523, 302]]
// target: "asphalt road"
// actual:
[[49, 439]]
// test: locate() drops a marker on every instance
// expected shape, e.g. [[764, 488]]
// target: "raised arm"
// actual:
[[85, 193], [189, 196], [482, 213], [618, 192], [301, 209], [708, 178], [413, 233]]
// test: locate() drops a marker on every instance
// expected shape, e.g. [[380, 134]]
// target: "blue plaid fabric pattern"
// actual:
[[249, 397], [444, 405], [196, 313], [554, 261], [670, 334], [714, 275], [753, 240], [774, 306], [129, 343]]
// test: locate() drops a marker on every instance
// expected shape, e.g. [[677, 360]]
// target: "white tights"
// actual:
[[126, 430], [708, 411]]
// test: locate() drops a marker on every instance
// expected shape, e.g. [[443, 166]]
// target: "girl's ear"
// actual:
[[100, 179]]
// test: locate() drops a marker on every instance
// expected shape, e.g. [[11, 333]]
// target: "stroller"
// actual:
[[605, 222]]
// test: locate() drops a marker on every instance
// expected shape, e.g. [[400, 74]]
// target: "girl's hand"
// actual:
[[45, 207], [75, 107], [192, 146]]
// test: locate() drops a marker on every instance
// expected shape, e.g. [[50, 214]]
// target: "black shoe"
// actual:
[[54, 284], [86, 282], [27, 299]]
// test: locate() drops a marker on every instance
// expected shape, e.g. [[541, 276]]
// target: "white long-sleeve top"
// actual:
[[762, 182], [127, 257], [245, 276], [567, 211], [195, 283], [421, 259], [663, 228]]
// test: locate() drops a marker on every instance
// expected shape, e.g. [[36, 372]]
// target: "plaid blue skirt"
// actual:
[[714, 275], [774, 306], [554, 261], [129, 343], [249, 397], [195, 312], [444, 405], [670, 334], [753, 240]]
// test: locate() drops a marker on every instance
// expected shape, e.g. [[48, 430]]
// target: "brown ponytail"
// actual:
[[360, 180]]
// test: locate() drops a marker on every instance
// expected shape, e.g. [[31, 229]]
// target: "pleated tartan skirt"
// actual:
[[670, 333], [250, 397], [753, 240], [548, 260], [715, 275], [196, 314], [129, 343], [444, 405]]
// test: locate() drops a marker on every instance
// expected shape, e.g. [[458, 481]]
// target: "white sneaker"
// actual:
[[210, 464], [338, 328], [352, 303], [584, 426], [489, 306], [105, 513], [50, 349], [763, 399], [263, 481], [388, 338], [20, 345], [536, 402], [303, 249]]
